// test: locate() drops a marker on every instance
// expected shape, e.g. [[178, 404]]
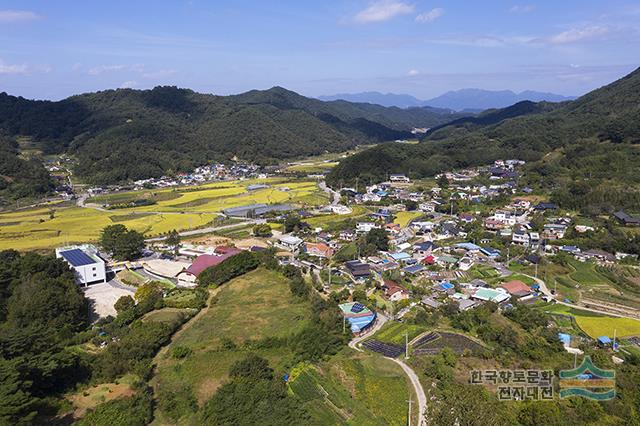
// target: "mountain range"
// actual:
[[470, 100], [584, 151], [125, 134]]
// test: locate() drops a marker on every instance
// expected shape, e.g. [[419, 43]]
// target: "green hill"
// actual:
[[594, 141], [125, 134]]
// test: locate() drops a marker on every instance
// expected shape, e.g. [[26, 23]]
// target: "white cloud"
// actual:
[[522, 8], [101, 69], [578, 34], [383, 10], [13, 68], [17, 16], [129, 84], [431, 15], [413, 72], [158, 74]]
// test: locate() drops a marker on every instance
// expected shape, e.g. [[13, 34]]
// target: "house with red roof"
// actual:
[[516, 288], [394, 291], [188, 277], [318, 250]]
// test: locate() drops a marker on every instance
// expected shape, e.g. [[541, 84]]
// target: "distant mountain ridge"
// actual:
[[456, 100], [584, 151]]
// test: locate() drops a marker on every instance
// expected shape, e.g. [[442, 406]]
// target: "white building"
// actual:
[[86, 263], [364, 227], [399, 178], [289, 242]]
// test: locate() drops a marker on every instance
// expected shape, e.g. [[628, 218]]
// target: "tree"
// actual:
[[262, 230], [122, 243], [173, 240], [110, 236], [292, 223], [378, 238], [443, 182], [124, 303]]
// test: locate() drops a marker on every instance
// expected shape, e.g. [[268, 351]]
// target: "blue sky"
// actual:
[[53, 49]]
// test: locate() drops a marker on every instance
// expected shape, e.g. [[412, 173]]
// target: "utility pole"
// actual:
[[344, 324], [406, 350], [536, 270], [410, 401]]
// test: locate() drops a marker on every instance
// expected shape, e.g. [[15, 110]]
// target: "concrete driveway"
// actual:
[[102, 297]]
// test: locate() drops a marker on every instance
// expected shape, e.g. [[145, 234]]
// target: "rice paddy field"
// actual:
[[404, 218], [596, 325], [186, 208]]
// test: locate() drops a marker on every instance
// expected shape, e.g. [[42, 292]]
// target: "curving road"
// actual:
[[413, 377]]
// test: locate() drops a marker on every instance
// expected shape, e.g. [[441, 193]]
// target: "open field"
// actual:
[[329, 221], [404, 218], [181, 209], [312, 166], [254, 306], [89, 398], [354, 388]]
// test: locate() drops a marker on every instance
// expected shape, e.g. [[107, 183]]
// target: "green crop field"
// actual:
[[394, 332]]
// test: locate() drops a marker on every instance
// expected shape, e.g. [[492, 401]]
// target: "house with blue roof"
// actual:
[[490, 251], [400, 256]]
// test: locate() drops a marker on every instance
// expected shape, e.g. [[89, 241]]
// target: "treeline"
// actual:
[[41, 311]]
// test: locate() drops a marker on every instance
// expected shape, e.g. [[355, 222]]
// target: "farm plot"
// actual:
[[433, 343]]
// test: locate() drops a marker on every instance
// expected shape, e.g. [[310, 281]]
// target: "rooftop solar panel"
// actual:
[[77, 257], [357, 307]]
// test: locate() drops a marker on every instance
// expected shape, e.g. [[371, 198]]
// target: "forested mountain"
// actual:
[[19, 177], [130, 134], [587, 150]]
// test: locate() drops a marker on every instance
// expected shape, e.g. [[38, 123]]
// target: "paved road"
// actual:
[[207, 230], [333, 195], [413, 377], [417, 386], [353, 344]]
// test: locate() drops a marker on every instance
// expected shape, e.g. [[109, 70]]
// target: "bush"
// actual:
[[230, 268], [180, 352]]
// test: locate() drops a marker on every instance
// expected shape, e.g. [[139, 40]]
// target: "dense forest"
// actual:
[[125, 134], [591, 143], [19, 177]]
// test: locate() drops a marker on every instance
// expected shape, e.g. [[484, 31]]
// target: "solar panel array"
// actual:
[[386, 349], [77, 257], [426, 339], [357, 307]]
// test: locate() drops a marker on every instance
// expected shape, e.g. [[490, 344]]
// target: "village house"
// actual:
[[394, 291], [318, 250]]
